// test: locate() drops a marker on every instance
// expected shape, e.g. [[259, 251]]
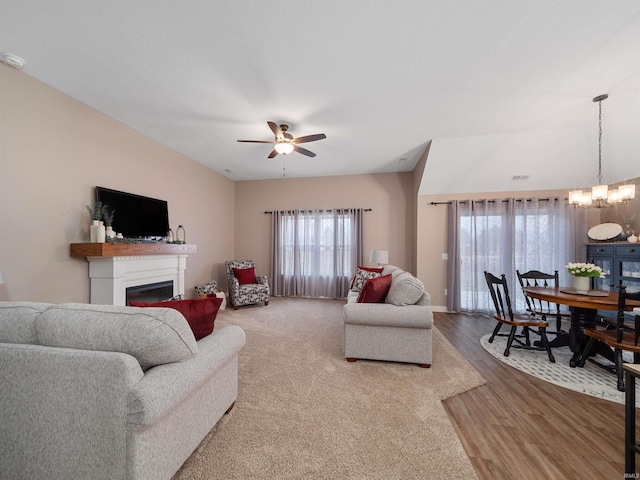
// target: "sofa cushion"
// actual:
[[153, 336], [200, 313], [18, 321], [387, 269], [245, 276], [405, 290], [375, 290], [362, 275]]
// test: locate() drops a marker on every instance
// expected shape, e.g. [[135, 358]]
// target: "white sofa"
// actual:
[[399, 330], [108, 392]]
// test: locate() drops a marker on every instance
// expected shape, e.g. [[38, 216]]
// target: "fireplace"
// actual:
[[113, 268], [112, 276], [150, 292]]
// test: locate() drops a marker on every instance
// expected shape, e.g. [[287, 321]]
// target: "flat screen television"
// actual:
[[135, 216]]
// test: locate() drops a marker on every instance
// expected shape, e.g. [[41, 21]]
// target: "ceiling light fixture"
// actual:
[[601, 193], [283, 148], [13, 60]]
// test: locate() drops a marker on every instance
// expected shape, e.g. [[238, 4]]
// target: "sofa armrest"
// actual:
[[387, 315], [262, 279], [64, 411], [234, 284], [164, 386], [425, 299]]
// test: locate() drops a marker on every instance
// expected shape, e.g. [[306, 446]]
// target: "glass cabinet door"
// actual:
[[630, 272], [606, 264]]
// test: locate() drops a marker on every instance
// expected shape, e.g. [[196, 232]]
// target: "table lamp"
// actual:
[[379, 257]]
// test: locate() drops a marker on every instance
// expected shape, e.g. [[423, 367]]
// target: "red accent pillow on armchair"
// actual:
[[375, 290], [245, 276], [200, 313]]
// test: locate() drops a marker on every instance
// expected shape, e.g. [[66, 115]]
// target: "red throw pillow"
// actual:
[[375, 290], [245, 276], [200, 313], [367, 269]]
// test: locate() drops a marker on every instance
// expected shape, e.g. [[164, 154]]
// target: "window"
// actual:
[[315, 252], [502, 237]]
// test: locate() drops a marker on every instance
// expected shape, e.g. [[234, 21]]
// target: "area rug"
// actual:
[[590, 380], [303, 412]]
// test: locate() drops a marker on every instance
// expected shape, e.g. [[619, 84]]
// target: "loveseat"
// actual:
[[397, 328], [108, 392]]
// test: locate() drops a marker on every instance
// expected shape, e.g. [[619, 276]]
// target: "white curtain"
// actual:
[[315, 252], [502, 236]]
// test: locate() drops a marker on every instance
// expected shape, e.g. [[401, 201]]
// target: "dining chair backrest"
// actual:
[[500, 295], [623, 296], [536, 278]]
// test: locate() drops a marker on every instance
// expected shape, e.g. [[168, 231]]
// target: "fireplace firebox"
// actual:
[[151, 292]]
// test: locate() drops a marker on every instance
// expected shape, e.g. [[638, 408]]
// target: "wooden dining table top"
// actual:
[[599, 302]]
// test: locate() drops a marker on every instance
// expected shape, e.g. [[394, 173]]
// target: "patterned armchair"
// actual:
[[242, 293]]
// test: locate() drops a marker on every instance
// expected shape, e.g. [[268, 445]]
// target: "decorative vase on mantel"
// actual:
[[582, 284], [92, 231], [97, 232]]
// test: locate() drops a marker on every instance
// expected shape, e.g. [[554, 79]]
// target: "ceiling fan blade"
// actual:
[[303, 151], [310, 138], [256, 141], [277, 131], [273, 153]]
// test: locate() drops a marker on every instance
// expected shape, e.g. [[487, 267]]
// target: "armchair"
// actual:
[[249, 288]]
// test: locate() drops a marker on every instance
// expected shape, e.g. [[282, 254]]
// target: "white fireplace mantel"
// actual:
[[111, 274]]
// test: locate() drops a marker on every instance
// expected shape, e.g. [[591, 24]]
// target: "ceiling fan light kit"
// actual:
[[601, 193], [284, 148], [284, 143]]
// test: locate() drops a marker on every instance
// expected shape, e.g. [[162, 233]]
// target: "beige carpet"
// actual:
[[303, 412]]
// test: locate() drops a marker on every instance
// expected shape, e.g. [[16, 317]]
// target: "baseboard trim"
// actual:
[[439, 308]]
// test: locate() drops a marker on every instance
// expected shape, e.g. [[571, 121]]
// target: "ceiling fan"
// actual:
[[285, 143]]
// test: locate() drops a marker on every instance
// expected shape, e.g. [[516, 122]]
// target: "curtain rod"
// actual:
[[325, 210], [494, 201]]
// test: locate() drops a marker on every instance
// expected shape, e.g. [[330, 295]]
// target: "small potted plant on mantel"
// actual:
[[108, 221], [97, 229]]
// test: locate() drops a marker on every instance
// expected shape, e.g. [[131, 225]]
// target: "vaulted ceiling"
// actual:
[[500, 88]]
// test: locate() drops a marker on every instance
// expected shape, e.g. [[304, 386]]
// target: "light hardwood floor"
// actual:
[[516, 426]]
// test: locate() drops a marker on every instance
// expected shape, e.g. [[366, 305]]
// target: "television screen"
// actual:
[[135, 216]]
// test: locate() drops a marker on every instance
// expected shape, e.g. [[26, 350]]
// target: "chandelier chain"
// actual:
[[600, 142]]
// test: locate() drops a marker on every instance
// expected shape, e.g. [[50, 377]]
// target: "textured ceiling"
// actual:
[[501, 88]]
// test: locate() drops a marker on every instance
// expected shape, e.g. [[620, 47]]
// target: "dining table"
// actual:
[[584, 314]]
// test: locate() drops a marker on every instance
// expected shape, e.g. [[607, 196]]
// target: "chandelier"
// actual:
[[601, 195]]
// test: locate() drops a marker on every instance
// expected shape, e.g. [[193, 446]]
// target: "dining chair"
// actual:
[[541, 308], [505, 316], [621, 338]]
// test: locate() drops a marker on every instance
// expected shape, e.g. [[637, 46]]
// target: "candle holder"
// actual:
[[181, 236]]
